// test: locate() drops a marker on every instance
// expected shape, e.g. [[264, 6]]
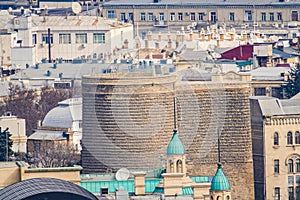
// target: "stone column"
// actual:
[[139, 183]]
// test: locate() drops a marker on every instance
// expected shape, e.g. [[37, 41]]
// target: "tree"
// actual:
[[292, 85], [5, 145], [52, 155]]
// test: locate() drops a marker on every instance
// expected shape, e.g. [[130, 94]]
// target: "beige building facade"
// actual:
[[276, 145]]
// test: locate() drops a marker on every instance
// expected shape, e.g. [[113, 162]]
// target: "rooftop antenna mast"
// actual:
[[175, 130], [219, 149]]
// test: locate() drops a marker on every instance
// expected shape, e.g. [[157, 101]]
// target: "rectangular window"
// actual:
[[290, 180], [34, 39], [161, 16], [277, 193], [201, 16], [130, 16], [36, 146], [248, 14], [45, 38], [99, 38], [64, 38], [123, 17], [272, 17], [172, 16], [150, 17], [143, 16], [263, 17], [213, 17], [297, 192], [259, 91], [276, 166], [294, 15], [297, 179], [110, 14], [279, 16], [231, 16], [193, 16], [291, 193], [180, 16], [81, 38]]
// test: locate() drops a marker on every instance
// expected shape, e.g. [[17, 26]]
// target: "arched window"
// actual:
[[228, 197], [298, 165], [276, 141], [297, 137], [290, 166], [289, 138], [218, 198], [179, 166]]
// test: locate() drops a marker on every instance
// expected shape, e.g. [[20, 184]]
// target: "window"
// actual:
[[180, 16], [65, 38], [99, 38], [36, 146], [294, 15], [259, 91], [213, 17], [172, 16], [277, 92], [81, 38], [272, 17], [123, 17], [276, 141], [297, 192], [201, 16], [143, 16], [297, 137], [291, 193], [289, 138], [277, 193], [276, 166], [34, 39], [279, 16], [161, 16], [263, 17], [297, 165], [248, 15], [150, 17], [193, 16], [231, 16], [110, 14], [46, 39], [130, 16], [290, 166]]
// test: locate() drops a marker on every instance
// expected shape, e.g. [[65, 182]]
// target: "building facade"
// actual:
[[163, 13], [275, 137]]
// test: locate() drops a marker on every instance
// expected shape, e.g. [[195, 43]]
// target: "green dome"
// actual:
[[220, 181], [175, 146]]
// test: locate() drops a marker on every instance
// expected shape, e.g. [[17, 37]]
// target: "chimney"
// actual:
[[208, 36], [149, 36], [169, 35], [169, 43], [177, 36], [126, 44], [139, 183], [146, 44], [157, 45], [159, 36], [244, 36], [232, 36], [222, 36], [218, 42], [182, 36], [191, 35]]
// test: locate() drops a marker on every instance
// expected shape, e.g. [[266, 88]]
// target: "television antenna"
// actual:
[[76, 8]]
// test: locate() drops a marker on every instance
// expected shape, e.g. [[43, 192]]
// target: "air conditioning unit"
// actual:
[[83, 45]]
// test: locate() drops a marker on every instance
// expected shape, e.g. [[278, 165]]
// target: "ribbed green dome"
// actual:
[[175, 146], [220, 181]]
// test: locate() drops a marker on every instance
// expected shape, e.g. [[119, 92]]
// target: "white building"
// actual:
[[70, 37], [16, 127]]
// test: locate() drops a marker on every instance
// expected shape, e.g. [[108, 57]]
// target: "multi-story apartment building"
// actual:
[[276, 145], [162, 13]]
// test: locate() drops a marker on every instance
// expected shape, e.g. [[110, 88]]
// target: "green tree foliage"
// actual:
[[292, 86], [5, 145]]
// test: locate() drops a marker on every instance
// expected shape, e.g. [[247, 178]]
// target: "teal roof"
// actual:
[[200, 179], [175, 146], [220, 181], [187, 191]]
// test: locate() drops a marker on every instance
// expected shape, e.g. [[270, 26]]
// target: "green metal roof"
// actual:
[[187, 191], [200, 179], [220, 181], [175, 146]]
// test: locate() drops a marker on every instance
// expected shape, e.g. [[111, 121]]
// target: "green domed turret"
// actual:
[[220, 181], [175, 146]]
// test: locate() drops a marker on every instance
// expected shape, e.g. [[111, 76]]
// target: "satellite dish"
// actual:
[[122, 174], [295, 40], [76, 7]]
